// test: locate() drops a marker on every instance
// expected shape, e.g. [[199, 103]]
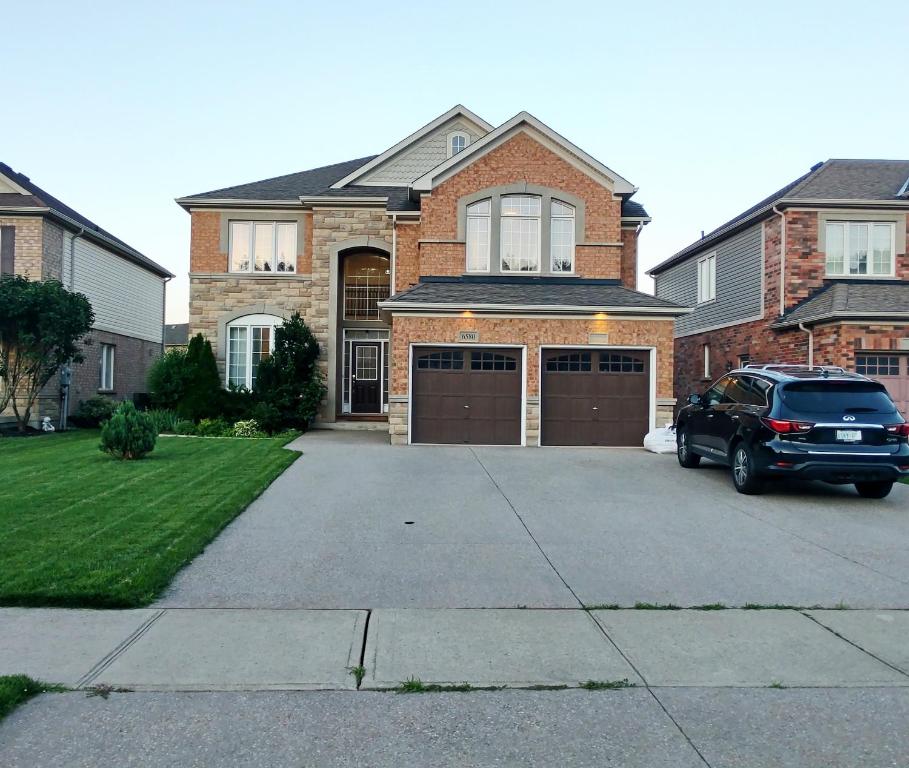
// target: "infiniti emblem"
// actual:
[[848, 418]]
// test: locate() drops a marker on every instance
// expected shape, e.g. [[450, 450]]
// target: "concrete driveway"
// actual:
[[356, 523]]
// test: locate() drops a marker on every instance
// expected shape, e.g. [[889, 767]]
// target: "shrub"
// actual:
[[164, 420], [128, 434], [248, 428], [267, 416], [236, 404], [214, 428], [202, 385], [92, 412], [184, 427], [167, 379], [289, 379]]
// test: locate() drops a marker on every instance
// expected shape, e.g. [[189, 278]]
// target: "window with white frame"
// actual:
[[520, 233], [250, 340], [107, 368], [561, 237], [457, 142], [860, 248], [263, 246], [707, 278], [706, 361], [478, 230]]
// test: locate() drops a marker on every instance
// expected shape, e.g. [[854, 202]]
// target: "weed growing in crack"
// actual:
[[607, 685]]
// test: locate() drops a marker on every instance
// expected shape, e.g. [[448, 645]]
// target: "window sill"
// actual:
[[253, 275], [107, 391], [861, 277]]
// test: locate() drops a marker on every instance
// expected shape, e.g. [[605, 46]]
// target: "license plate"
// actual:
[[849, 435]]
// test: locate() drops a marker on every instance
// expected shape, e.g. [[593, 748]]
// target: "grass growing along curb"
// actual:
[[81, 529], [415, 685], [776, 684], [358, 672], [17, 689], [607, 685]]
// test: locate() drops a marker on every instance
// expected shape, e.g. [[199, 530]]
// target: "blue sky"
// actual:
[[118, 108]]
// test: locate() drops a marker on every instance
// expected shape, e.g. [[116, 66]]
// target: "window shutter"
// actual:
[[7, 250]]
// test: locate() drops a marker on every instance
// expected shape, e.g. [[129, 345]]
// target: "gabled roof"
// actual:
[[852, 300], [527, 294], [36, 200], [456, 111], [521, 121], [834, 182]]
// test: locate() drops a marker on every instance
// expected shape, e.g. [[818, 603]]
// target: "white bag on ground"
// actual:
[[661, 440]]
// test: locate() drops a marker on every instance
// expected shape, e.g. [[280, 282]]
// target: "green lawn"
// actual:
[[79, 528], [17, 689]]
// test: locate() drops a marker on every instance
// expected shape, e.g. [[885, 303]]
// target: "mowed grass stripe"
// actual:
[[100, 532]]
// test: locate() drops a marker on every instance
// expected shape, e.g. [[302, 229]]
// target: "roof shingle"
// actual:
[[855, 300]]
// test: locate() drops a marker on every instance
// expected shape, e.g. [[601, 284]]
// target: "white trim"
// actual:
[[847, 225], [535, 316], [18, 187], [706, 350], [336, 201], [652, 398], [451, 136], [456, 111], [107, 371], [201, 203], [395, 306], [248, 322], [384, 351], [707, 292], [251, 244], [573, 154], [462, 345]]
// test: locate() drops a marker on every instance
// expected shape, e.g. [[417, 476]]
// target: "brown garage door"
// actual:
[[595, 397], [466, 395], [890, 370]]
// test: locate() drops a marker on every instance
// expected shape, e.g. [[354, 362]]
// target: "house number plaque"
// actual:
[[469, 336]]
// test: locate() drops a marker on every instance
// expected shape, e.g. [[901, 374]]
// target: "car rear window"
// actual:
[[836, 397]]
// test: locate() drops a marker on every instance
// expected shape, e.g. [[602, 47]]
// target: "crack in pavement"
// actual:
[[854, 644]]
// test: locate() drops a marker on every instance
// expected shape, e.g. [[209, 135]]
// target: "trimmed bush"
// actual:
[[128, 434], [184, 427], [267, 416], [93, 412], [214, 428], [236, 404], [203, 385], [167, 379], [248, 428]]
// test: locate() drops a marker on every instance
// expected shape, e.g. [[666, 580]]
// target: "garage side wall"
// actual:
[[534, 333]]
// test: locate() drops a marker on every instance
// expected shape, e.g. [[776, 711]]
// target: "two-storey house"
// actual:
[[471, 284], [44, 239], [817, 273]]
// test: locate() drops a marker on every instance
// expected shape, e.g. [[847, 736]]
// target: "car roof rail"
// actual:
[[796, 367]]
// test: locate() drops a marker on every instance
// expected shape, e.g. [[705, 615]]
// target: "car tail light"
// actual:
[[902, 430], [785, 427]]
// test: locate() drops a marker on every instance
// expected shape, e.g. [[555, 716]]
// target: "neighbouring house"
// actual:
[[471, 284], [176, 335], [817, 273], [43, 239]]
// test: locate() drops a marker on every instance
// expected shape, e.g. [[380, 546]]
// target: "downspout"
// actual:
[[810, 344], [164, 312], [782, 259], [66, 379], [394, 250]]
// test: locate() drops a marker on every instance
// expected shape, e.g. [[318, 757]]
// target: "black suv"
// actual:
[[820, 423]]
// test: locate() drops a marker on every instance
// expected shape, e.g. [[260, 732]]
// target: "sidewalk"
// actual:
[[253, 649]]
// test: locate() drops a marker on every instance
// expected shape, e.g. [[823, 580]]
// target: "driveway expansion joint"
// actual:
[[854, 644]]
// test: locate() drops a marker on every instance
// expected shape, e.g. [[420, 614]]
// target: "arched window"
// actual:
[[367, 281], [561, 237], [478, 220], [457, 142], [250, 339], [520, 233]]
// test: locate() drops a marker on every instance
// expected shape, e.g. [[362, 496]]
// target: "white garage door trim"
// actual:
[[652, 382], [471, 345]]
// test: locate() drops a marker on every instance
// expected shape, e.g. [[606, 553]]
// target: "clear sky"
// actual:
[[118, 108]]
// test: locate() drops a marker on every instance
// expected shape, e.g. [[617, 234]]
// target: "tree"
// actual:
[[41, 324], [202, 383], [289, 379], [167, 379]]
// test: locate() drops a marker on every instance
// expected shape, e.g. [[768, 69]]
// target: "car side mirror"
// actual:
[[694, 399]]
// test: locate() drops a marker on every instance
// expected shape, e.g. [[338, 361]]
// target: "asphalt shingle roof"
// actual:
[[176, 334], [529, 291], [633, 208], [866, 180], [850, 299], [37, 197]]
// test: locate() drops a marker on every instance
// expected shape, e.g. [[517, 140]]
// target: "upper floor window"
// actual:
[[561, 236], [860, 248], [263, 246], [707, 278], [520, 233], [457, 142], [477, 235], [367, 281]]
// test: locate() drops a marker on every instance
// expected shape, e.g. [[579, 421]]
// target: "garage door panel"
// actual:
[[595, 397]]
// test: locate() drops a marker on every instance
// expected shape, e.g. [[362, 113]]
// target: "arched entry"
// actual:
[[365, 280]]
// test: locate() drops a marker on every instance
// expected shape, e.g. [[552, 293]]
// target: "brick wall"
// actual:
[[630, 258], [29, 247], [205, 254], [837, 343]]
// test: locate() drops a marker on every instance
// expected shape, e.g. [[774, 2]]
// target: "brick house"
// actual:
[[44, 239], [817, 273], [471, 284]]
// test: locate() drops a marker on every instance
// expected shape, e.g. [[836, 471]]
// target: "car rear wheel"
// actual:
[[744, 473], [873, 490], [687, 458]]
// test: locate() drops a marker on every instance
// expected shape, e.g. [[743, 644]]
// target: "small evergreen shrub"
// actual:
[[92, 412], [167, 379], [267, 416], [248, 428], [236, 404], [184, 427], [164, 420], [202, 391], [214, 428], [128, 434]]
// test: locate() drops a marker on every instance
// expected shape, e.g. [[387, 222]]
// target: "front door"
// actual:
[[366, 377]]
